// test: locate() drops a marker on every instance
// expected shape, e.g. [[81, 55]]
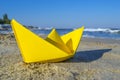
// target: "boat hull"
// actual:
[[36, 49]]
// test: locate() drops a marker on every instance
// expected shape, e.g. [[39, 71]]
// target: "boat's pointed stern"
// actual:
[[73, 38]]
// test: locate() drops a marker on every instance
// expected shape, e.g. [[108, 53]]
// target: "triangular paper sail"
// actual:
[[35, 49], [56, 40]]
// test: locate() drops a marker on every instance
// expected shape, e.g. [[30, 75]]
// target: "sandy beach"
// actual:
[[95, 59]]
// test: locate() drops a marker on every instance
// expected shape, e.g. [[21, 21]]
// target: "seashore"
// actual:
[[95, 59]]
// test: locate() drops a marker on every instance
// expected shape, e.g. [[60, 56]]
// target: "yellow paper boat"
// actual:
[[54, 48]]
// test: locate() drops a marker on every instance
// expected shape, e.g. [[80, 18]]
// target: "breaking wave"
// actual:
[[107, 30]]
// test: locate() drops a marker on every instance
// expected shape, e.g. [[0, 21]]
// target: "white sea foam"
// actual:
[[102, 30], [46, 28], [89, 36], [6, 32]]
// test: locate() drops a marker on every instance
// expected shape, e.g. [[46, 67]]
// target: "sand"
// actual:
[[95, 59]]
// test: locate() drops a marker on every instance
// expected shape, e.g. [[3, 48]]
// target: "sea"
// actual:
[[109, 33]]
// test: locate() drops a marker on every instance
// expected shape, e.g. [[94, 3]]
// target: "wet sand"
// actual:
[[95, 59]]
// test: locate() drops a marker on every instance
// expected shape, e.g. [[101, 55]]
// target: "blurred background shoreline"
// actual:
[[102, 33]]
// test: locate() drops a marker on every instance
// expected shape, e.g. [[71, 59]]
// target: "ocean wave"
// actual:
[[6, 32], [102, 30], [47, 28], [88, 36]]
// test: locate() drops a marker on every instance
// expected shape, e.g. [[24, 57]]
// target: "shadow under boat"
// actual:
[[88, 56]]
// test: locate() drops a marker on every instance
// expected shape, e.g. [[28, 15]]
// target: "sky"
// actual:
[[63, 13]]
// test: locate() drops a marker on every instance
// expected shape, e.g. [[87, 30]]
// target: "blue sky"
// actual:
[[63, 13]]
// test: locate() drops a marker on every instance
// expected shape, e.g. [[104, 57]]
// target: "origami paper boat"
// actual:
[[54, 48]]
